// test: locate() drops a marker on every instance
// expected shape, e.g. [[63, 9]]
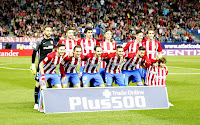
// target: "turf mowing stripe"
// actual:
[[13, 68], [183, 67]]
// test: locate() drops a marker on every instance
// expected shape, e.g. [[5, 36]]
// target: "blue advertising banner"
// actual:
[[16, 45], [104, 99]]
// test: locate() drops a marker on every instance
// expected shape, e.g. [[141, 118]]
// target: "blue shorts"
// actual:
[[142, 73], [87, 77], [81, 71], [52, 78], [102, 73], [134, 74], [72, 77], [109, 77]]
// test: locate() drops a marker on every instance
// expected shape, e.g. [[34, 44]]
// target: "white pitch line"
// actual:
[[183, 68], [13, 68], [6, 64], [183, 73]]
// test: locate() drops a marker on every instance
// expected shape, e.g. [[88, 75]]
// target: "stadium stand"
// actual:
[[173, 21]]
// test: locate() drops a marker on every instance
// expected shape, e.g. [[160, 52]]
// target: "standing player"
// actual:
[[88, 43], [132, 46], [69, 67], [48, 67], [90, 70], [69, 42], [109, 46], [43, 46], [153, 47], [113, 70], [132, 63]]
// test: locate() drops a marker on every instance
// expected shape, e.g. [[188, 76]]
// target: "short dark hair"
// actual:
[[119, 46], [47, 26], [77, 46], [87, 28], [138, 31], [69, 28], [107, 29], [162, 60], [95, 48], [142, 48], [60, 44]]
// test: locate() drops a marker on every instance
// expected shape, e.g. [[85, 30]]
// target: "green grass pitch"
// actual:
[[17, 100]]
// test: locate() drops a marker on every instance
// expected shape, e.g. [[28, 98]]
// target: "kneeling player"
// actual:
[[113, 71], [132, 63], [90, 70], [48, 67], [68, 68]]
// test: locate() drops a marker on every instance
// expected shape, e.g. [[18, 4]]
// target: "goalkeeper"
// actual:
[[44, 46]]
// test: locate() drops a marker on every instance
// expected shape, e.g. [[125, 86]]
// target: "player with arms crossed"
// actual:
[[69, 67], [133, 61], [90, 70], [113, 70], [69, 42], [43, 46], [109, 46]]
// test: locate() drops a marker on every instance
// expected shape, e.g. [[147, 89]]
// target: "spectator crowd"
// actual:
[[171, 20]]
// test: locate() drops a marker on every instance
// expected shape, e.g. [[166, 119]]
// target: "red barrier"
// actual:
[[15, 52]]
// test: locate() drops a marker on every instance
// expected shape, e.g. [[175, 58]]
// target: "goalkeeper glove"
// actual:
[[33, 70]]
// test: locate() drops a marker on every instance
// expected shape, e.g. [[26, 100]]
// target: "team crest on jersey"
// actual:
[[51, 41]]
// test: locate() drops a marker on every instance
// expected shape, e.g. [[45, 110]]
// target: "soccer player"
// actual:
[[88, 43], [109, 46], [69, 67], [133, 61], [48, 67], [113, 70], [132, 46], [69, 42], [90, 70], [153, 47], [43, 46]]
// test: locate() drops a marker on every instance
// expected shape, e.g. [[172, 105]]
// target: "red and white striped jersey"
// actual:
[[93, 62], [132, 46], [87, 46], [114, 63], [51, 61], [69, 45], [70, 64], [106, 46], [161, 77], [133, 62], [152, 48], [151, 76]]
